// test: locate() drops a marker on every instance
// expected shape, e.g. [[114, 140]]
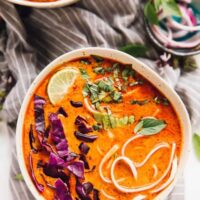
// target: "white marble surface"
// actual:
[[192, 170]]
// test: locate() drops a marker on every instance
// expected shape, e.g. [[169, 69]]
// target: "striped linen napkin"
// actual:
[[31, 38]]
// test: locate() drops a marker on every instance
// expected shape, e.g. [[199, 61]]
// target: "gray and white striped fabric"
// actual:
[[31, 38]]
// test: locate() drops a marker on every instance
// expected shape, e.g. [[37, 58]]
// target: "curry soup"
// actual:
[[105, 138]]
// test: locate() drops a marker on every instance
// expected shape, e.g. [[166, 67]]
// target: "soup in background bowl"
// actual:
[[95, 124], [43, 3]]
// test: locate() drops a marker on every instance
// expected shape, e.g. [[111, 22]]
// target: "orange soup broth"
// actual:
[[136, 151]]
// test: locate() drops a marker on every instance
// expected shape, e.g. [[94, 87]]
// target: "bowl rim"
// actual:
[[55, 4], [140, 67]]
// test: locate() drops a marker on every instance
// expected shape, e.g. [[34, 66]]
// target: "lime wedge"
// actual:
[[59, 84]]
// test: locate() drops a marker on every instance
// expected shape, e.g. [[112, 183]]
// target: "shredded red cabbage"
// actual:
[[85, 137], [32, 139], [62, 112], [77, 168], [82, 125], [84, 148], [39, 103], [39, 186], [55, 172], [83, 158], [58, 136], [81, 191], [96, 194], [76, 104], [62, 190], [87, 187], [55, 160]]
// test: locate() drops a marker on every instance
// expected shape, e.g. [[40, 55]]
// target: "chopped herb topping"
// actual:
[[102, 91], [97, 58], [115, 66], [106, 85], [84, 74], [85, 61], [139, 102], [139, 82], [161, 100], [97, 127], [117, 96], [108, 69], [99, 70]]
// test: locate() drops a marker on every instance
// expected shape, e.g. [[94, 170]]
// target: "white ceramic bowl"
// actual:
[[55, 4], [138, 66]]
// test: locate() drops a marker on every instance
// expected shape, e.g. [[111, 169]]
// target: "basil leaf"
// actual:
[[150, 13], [19, 177], [139, 102], [84, 73], [196, 144], [149, 126], [170, 7], [136, 50]]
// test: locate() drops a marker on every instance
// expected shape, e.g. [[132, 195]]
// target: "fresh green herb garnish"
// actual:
[[84, 73], [106, 85], [19, 177], [161, 100], [125, 74], [108, 69], [97, 127], [139, 82], [117, 96], [116, 73], [139, 102], [149, 126], [196, 144], [97, 58], [99, 70], [85, 61], [136, 50], [110, 121], [102, 91], [115, 66]]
